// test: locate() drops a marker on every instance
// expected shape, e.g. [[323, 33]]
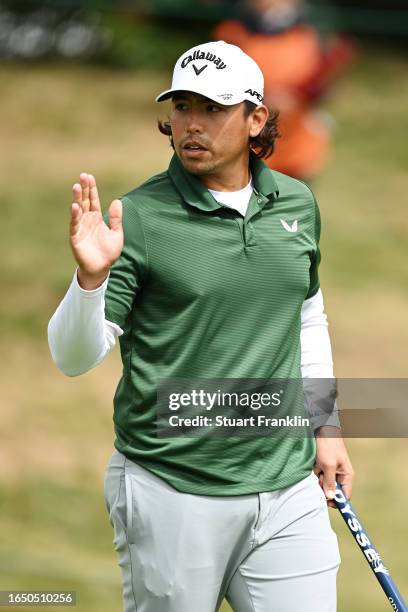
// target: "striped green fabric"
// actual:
[[201, 291]]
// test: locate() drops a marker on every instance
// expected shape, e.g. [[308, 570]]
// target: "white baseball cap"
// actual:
[[219, 71]]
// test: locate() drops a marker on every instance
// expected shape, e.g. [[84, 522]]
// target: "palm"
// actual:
[[95, 245]]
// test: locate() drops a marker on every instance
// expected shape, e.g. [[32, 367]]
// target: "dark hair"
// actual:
[[262, 145]]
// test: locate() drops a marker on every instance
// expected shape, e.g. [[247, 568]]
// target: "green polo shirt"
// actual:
[[202, 292]]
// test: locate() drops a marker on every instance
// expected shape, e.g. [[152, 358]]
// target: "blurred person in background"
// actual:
[[299, 68], [209, 270]]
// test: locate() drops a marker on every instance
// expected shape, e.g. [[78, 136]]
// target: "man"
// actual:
[[212, 273]]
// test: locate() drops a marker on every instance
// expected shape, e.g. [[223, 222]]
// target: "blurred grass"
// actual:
[[56, 433]]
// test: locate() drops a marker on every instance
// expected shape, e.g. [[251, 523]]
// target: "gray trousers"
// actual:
[[263, 552]]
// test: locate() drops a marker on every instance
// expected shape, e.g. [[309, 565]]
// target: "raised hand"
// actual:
[[95, 245]]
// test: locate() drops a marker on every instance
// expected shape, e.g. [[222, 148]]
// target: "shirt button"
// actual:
[[259, 200]]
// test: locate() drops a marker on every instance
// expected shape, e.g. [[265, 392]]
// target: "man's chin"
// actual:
[[197, 166]]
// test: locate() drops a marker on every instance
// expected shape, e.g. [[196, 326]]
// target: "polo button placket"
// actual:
[[248, 232]]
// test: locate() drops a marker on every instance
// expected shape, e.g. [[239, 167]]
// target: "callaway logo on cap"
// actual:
[[218, 71]]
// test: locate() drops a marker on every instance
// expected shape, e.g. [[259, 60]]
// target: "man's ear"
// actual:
[[258, 118]]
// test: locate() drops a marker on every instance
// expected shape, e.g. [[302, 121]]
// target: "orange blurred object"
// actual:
[[297, 51], [304, 147]]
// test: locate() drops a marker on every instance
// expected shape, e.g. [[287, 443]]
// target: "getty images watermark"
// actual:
[[224, 407], [235, 407], [212, 401]]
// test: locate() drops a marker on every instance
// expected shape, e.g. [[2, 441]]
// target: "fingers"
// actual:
[[320, 475], [329, 481], [77, 194], [345, 479], [346, 482], [93, 194], [85, 193], [328, 474], [84, 181], [76, 214], [115, 216]]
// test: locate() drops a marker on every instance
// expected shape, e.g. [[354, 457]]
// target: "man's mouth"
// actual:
[[192, 148]]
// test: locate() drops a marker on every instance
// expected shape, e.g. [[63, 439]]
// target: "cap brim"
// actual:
[[165, 95], [169, 93]]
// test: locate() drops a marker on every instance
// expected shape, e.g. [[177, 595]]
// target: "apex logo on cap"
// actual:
[[201, 55], [252, 92]]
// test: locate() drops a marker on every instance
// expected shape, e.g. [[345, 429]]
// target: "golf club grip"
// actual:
[[368, 549]]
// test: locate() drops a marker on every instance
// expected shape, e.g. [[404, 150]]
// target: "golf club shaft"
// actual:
[[368, 549]]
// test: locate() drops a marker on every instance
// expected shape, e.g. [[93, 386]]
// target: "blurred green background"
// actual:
[[58, 119]]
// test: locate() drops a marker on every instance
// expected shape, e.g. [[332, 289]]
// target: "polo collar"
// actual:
[[262, 177], [194, 192]]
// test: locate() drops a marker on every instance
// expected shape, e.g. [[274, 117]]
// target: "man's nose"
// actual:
[[194, 122]]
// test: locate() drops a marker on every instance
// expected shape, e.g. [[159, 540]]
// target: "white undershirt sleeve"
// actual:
[[316, 360], [79, 337]]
